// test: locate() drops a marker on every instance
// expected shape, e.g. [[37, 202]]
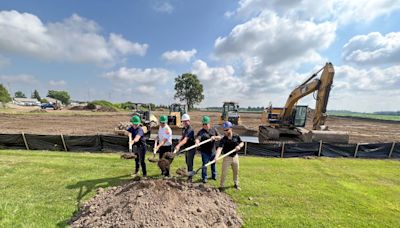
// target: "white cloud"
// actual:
[[75, 39], [138, 76], [19, 79], [343, 11], [274, 40], [219, 83], [163, 6], [178, 56], [373, 49], [57, 83]]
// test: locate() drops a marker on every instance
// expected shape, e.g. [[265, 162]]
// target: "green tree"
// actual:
[[188, 88], [4, 95], [19, 94], [62, 96], [36, 95]]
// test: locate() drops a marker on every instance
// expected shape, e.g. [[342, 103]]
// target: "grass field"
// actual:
[[367, 115], [42, 189]]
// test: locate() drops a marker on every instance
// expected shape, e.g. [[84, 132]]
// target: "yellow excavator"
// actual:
[[288, 123]]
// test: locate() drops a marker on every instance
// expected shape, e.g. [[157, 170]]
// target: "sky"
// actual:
[[254, 52]]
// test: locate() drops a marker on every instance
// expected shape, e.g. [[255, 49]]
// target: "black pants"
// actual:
[[140, 160], [163, 150], [189, 157]]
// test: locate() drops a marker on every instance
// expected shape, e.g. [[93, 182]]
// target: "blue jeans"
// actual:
[[207, 157]]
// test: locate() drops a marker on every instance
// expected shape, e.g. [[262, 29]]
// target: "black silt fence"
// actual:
[[376, 150], [264, 150], [12, 141], [338, 150], [83, 143], [300, 150], [44, 142]]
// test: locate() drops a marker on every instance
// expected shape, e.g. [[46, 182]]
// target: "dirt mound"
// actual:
[[158, 203]]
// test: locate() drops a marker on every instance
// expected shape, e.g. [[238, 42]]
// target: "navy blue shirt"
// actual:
[[189, 133], [138, 131], [203, 135], [229, 144]]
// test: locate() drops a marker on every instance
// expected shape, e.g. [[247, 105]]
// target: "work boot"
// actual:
[[190, 179], [221, 189], [204, 181], [237, 187], [214, 178]]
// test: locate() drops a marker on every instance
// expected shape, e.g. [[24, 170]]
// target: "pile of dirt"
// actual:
[[158, 203], [94, 108]]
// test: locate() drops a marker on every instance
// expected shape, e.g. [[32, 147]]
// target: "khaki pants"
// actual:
[[230, 161]]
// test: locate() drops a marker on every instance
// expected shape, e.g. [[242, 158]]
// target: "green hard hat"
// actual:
[[205, 120], [163, 119], [135, 120]]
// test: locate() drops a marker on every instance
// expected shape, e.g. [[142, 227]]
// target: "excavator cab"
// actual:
[[230, 112], [300, 116]]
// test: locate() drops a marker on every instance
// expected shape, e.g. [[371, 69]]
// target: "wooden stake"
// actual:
[[63, 141], [320, 148], [283, 149], [26, 143], [245, 148], [391, 149], [355, 152]]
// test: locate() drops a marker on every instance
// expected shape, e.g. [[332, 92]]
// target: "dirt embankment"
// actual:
[[158, 203]]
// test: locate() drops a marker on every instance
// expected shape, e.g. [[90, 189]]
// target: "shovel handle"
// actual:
[[212, 162], [130, 142], [155, 146], [194, 146]]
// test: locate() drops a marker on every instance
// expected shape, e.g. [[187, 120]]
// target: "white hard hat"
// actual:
[[185, 117]]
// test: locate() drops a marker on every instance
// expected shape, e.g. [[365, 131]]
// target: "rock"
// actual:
[[140, 194], [250, 198], [199, 210], [256, 204]]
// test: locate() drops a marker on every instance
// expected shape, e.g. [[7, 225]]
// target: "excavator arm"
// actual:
[[322, 85]]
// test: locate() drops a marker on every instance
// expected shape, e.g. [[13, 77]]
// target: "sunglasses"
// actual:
[[205, 124], [226, 129]]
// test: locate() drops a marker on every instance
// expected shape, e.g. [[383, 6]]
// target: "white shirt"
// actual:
[[165, 133]]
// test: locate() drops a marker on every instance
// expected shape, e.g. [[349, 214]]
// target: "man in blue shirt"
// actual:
[[186, 141], [208, 149], [140, 142]]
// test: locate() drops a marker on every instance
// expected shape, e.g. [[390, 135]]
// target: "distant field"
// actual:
[[369, 116]]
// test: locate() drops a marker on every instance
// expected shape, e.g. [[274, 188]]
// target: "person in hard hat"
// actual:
[[140, 142], [164, 138], [208, 149], [229, 142], [187, 140]]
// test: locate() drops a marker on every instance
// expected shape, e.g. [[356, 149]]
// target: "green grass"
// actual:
[[43, 189], [367, 115]]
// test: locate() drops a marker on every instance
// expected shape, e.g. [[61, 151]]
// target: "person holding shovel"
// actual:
[[140, 142], [229, 142], [187, 140], [164, 138], [208, 149]]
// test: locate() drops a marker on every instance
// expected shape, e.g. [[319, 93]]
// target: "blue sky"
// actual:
[[251, 51]]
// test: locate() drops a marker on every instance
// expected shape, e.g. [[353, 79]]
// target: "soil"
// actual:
[[70, 122], [158, 203]]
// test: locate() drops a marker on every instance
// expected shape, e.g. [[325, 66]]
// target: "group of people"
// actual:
[[216, 146]]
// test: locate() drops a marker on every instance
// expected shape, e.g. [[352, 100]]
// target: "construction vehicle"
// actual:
[[230, 112], [288, 122], [176, 111]]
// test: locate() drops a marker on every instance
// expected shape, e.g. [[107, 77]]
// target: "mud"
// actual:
[[165, 163], [158, 203]]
